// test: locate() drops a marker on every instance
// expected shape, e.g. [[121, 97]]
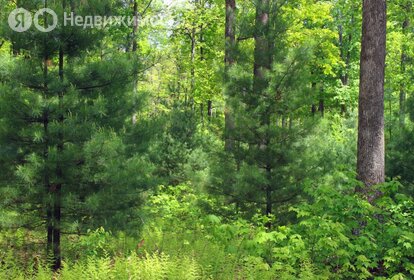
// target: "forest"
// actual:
[[206, 139]]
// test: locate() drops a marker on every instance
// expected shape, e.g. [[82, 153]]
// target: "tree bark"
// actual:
[[57, 201], [135, 28], [313, 107], [229, 61], [134, 50], [210, 109], [230, 32], [193, 69], [321, 107], [262, 65], [404, 58], [262, 59], [371, 147], [46, 137], [345, 53]]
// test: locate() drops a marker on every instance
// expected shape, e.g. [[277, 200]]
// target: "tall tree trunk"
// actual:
[[134, 50], [229, 61], [202, 58], [371, 147], [135, 27], [57, 201], [262, 57], [262, 64], [404, 58], [46, 175], [346, 58], [192, 72]]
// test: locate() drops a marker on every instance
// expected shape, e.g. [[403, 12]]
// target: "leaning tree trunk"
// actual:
[[371, 147]]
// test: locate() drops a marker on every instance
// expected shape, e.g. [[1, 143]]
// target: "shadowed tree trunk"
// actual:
[[229, 61], [134, 50], [345, 53], [262, 58], [262, 64], [46, 175], [57, 211], [321, 107], [371, 154], [404, 58]]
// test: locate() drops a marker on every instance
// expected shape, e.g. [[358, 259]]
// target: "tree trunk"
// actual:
[[46, 175], [134, 50], [57, 201], [193, 55], [313, 107], [371, 147], [135, 28], [346, 58], [202, 113], [262, 64], [321, 107], [229, 61], [404, 58], [262, 59], [230, 32]]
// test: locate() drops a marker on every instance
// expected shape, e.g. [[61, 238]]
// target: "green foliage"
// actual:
[[339, 235], [148, 267], [121, 151], [353, 238]]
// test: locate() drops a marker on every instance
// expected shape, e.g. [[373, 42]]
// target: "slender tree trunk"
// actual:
[[193, 78], [346, 58], [321, 108], [46, 136], [209, 102], [269, 204], [230, 34], [371, 147], [229, 62], [404, 58], [57, 201], [210, 109], [46, 179], [262, 58], [202, 43], [135, 28], [202, 113], [134, 50], [313, 107]]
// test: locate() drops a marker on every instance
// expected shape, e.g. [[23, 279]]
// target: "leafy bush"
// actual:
[[339, 234]]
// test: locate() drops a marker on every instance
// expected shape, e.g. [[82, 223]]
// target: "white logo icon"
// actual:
[[20, 20], [41, 12]]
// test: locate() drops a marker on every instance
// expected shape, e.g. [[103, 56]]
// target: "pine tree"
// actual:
[[64, 108], [270, 113]]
